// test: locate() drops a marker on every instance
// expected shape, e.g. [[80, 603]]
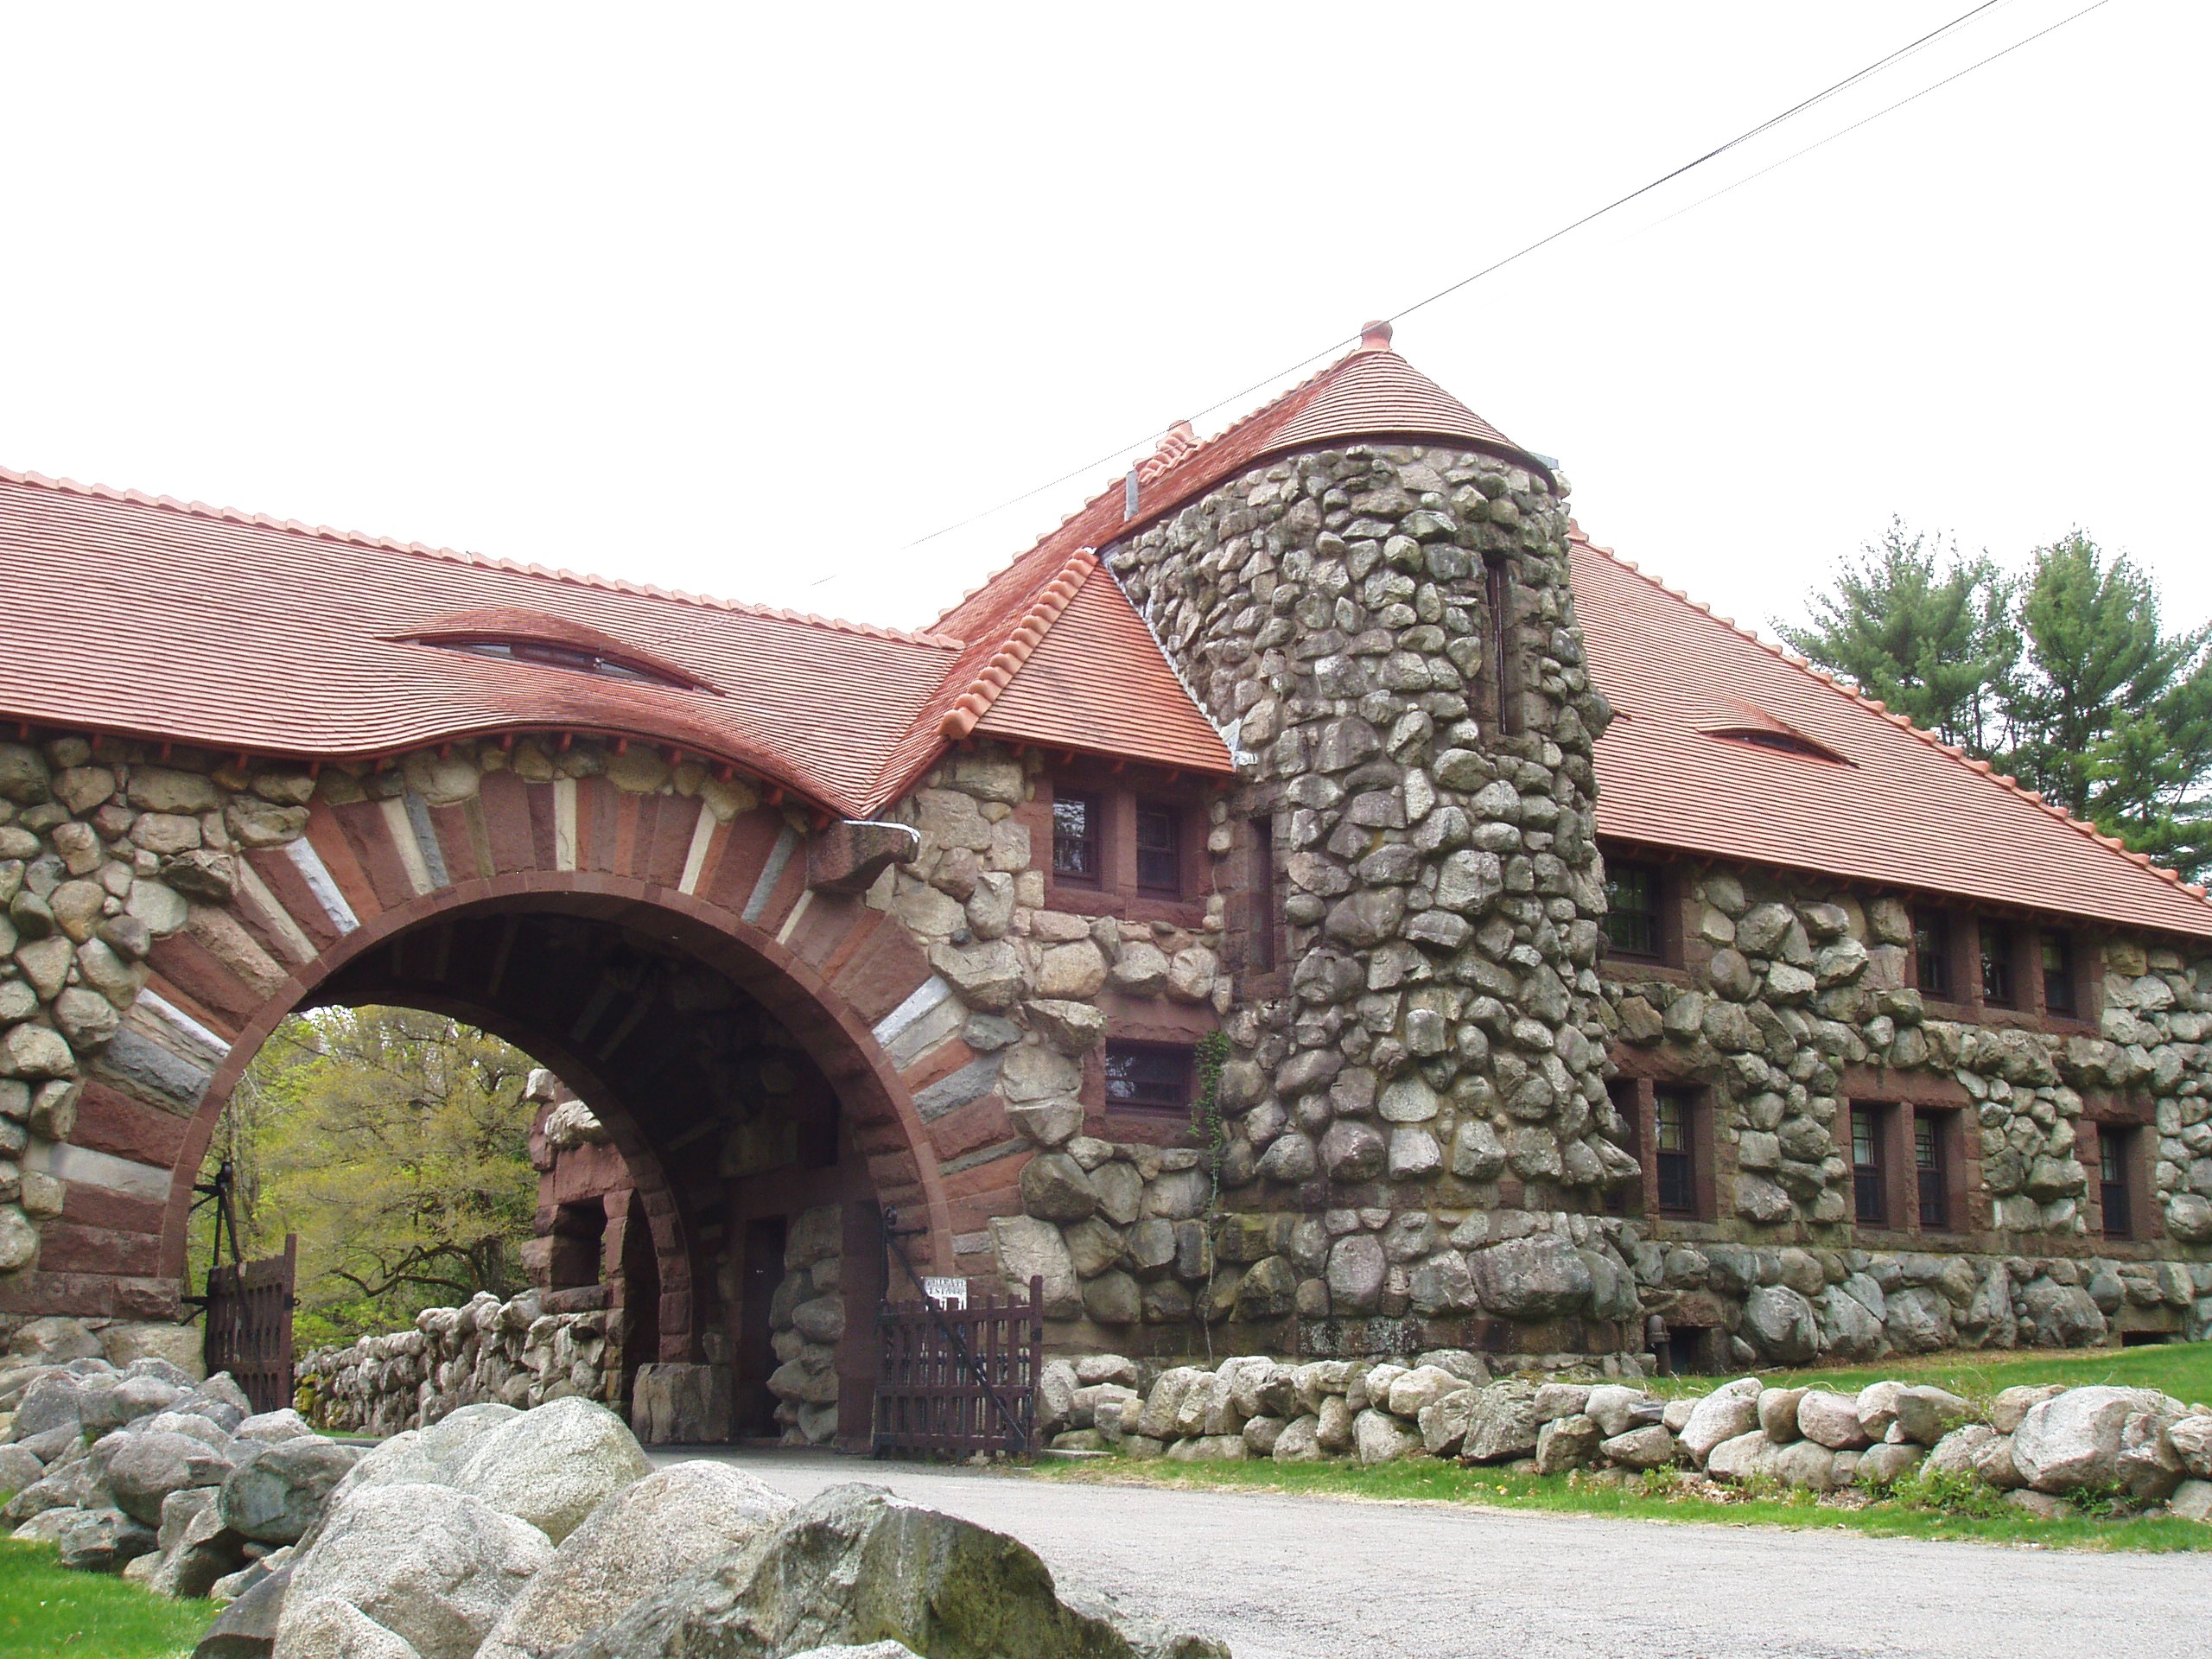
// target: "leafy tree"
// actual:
[[2063, 676], [396, 1144], [2113, 715], [1927, 631]]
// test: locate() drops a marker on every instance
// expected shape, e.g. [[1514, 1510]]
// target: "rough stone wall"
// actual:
[[806, 1316], [1788, 985], [1416, 1115], [511, 1353], [999, 1056]]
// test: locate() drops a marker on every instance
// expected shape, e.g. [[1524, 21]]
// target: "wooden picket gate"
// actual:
[[956, 1379], [960, 1380], [248, 1331]]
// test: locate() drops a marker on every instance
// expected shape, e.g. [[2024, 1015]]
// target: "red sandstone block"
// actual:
[[457, 838], [334, 845], [979, 1123], [747, 841], [881, 972], [940, 1061], [988, 1177], [109, 1120], [69, 1247], [96, 1206], [290, 890], [193, 969], [368, 836]]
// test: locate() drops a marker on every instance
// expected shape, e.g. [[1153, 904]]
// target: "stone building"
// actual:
[[1314, 901]]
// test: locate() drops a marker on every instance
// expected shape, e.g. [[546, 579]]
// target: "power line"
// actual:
[[1905, 51], [1879, 114]]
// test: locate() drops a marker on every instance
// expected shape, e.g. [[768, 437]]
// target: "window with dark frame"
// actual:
[[2114, 1144], [1675, 1157], [1997, 986], [1147, 1077], [1160, 851], [1931, 952], [2058, 993], [1632, 916], [1076, 839], [1931, 1171], [1869, 1183]]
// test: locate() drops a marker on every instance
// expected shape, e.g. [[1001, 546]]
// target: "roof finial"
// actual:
[[1375, 336]]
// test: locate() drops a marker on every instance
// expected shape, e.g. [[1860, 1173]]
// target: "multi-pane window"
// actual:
[[1931, 1173], [1931, 952], [1997, 987], [1075, 841], [2058, 994], [1674, 1120], [2111, 1181], [1632, 909], [1147, 1077], [1869, 1186], [1160, 854]]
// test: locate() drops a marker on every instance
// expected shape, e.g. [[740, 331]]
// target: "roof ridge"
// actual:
[[1875, 706], [1052, 600], [1188, 452], [455, 555]]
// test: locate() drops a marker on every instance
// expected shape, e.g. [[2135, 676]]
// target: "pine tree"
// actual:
[[1927, 631]]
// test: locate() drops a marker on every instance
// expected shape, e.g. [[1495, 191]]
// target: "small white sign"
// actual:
[[946, 1292]]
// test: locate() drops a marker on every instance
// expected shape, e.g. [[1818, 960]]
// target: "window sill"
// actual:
[[1627, 971], [1127, 906]]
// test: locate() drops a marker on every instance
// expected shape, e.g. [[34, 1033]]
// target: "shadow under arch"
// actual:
[[429, 953]]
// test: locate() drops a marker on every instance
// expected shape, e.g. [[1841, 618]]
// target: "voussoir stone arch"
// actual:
[[254, 888]]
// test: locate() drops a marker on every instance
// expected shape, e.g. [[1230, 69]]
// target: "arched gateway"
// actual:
[[1244, 913], [723, 1003]]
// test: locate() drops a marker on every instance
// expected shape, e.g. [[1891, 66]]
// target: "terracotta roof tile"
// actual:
[[157, 618], [1899, 809]]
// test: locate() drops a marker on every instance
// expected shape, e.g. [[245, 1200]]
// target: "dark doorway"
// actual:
[[756, 1353]]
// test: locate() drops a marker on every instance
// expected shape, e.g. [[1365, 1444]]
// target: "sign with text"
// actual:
[[946, 1292]]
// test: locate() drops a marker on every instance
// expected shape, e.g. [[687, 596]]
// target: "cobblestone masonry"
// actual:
[[1417, 1148]]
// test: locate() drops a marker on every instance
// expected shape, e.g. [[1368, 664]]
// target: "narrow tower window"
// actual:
[[1497, 646]]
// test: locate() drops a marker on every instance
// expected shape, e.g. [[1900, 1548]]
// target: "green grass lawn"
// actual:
[[1428, 1480], [48, 1610], [2181, 1369]]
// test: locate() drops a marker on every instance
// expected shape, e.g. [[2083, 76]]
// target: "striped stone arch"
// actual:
[[384, 873]]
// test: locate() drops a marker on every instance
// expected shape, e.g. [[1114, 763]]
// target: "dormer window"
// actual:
[[513, 634], [568, 656]]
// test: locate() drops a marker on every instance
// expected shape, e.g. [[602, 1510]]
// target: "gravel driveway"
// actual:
[[1307, 1578]]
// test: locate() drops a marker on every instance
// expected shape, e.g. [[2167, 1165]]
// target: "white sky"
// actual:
[[741, 300]]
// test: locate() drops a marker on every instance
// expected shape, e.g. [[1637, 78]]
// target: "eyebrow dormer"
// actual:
[[542, 640]]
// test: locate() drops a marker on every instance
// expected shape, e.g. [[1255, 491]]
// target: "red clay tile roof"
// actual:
[[1899, 809], [179, 622], [1371, 393], [1096, 680]]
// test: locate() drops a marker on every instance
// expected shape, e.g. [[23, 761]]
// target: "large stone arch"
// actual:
[[329, 886]]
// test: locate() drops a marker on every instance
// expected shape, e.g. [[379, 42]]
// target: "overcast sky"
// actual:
[[748, 302]]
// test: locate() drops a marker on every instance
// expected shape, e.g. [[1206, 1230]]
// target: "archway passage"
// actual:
[[733, 1028]]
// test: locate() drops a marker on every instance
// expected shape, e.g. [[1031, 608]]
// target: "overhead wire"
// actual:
[[1913, 98], [1800, 108]]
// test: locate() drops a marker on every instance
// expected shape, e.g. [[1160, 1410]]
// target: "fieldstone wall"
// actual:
[[1415, 1116], [1001, 1045], [807, 1317], [2038, 1445], [1785, 989], [505, 1353]]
